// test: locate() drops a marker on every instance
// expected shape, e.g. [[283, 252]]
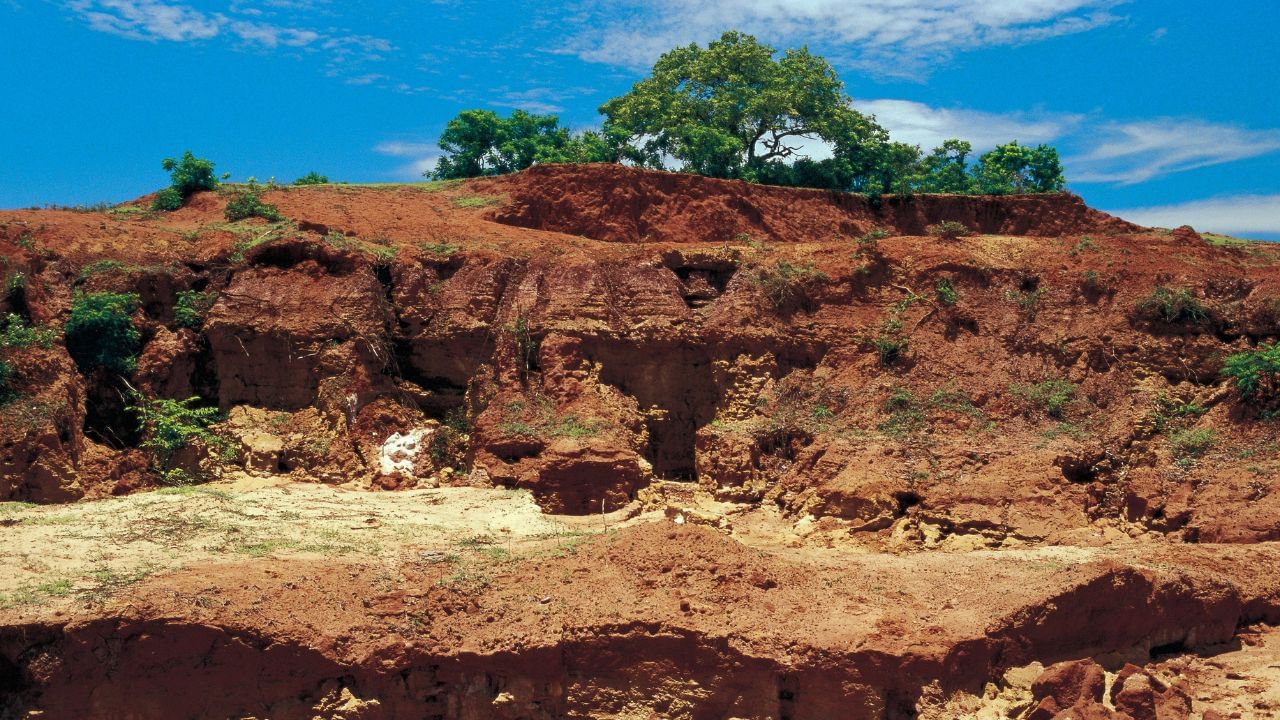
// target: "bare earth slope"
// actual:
[[785, 469]]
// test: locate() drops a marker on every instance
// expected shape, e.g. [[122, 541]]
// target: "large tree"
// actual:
[[731, 107], [479, 142], [1015, 168]]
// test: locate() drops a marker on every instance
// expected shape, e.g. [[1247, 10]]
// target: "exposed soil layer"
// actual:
[[843, 473], [605, 202]]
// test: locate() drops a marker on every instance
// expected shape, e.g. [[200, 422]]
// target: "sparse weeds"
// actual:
[[1190, 443], [787, 283], [1027, 300], [1173, 305], [541, 420], [1084, 244], [442, 249], [1053, 397]]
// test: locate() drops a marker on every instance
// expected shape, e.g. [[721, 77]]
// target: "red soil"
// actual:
[[600, 329]]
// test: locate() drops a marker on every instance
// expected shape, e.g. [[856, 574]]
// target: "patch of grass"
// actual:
[[542, 421], [1173, 305], [1053, 397], [786, 282], [1191, 443], [905, 414], [444, 249], [1084, 244], [478, 201], [382, 252], [100, 266]]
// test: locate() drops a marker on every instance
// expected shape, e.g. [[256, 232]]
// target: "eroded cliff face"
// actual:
[[732, 336], [616, 341]]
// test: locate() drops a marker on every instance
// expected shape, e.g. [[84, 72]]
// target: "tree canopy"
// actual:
[[739, 109]]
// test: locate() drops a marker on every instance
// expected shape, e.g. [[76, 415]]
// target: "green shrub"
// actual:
[[191, 307], [905, 414], [1052, 396], [187, 175], [946, 292], [1256, 372], [312, 178], [100, 332], [1173, 305], [247, 203], [1028, 301], [14, 333], [949, 230], [871, 241], [171, 425], [785, 282], [167, 200]]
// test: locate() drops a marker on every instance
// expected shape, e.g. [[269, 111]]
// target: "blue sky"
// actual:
[[1165, 110]]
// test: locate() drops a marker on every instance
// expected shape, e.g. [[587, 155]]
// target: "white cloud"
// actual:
[[1237, 215], [156, 20], [148, 19], [1135, 152], [423, 157], [928, 127], [895, 36]]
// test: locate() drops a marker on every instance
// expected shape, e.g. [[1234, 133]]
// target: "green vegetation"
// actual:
[[381, 251], [527, 346], [247, 202], [1028, 301], [14, 333], [946, 292], [190, 309], [1051, 396], [1190, 443], [6, 376], [739, 109], [100, 332], [168, 426], [1083, 245], [188, 175], [907, 415], [1256, 372], [477, 201], [444, 249], [949, 230], [312, 178], [891, 343], [1170, 411], [542, 421], [786, 283], [1177, 305], [479, 142], [100, 266]]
